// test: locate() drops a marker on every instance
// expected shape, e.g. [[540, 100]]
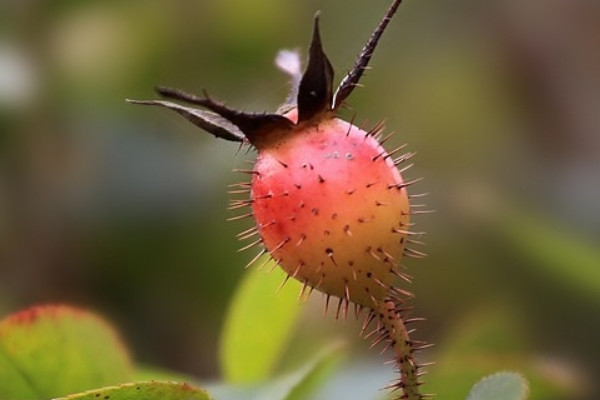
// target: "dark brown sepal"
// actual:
[[207, 120], [253, 125], [351, 79], [315, 93]]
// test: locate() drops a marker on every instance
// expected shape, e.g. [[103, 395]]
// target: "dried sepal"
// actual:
[[207, 120], [316, 87]]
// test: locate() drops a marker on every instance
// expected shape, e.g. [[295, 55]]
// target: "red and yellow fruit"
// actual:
[[332, 209]]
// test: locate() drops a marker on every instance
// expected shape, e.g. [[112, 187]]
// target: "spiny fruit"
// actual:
[[332, 209], [330, 204]]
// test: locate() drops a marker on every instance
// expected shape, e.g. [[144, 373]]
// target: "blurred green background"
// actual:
[[122, 209]]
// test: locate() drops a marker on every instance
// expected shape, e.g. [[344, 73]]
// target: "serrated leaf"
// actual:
[[500, 386], [259, 325], [48, 351], [151, 390]]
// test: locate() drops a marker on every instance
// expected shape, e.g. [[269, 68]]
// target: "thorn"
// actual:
[[427, 364], [406, 168], [379, 339], [375, 130], [351, 124], [246, 171], [266, 262], [408, 252], [255, 258], [404, 157], [402, 292], [369, 318], [302, 239], [240, 185], [238, 217], [237, 204], [392, 387], [282, 284], [347, 230], [357, 310], [377, 330], [373, 254], [346, 291], [247, 231], [301, 296], [418, 212], [385, 253], [379, 282], [405, 232], [339, 306], [256, 242], [300, 265], [346, 305], [326, 304], [417, 196], [267, 224], [354, 275], [280, 245], [396, 150], [423, 347], [405, 184], [238, 191], [275, 264], [319, 282], [385, 139], [249, 235], [405, 277], [414, 320], [387, 347], [329, 253]]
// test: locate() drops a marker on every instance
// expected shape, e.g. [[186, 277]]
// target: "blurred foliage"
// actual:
[[50, 351], [259, 324], [153, 390], [122, 209]]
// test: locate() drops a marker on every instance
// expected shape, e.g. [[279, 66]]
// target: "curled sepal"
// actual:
[[315, 93], [207, 120], [351, 79], [256, 127]]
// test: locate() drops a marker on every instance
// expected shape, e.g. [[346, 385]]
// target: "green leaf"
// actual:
[[293, 386], [48, 351], [152, 390], [500, 386], [259, 325], [302, 383]]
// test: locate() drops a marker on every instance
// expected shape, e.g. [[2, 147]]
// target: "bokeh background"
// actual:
[[122, 209]]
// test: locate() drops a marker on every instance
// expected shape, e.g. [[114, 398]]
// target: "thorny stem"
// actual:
[[399, 341]]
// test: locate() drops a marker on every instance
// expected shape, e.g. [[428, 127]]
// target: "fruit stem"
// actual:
[[398, 339]]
